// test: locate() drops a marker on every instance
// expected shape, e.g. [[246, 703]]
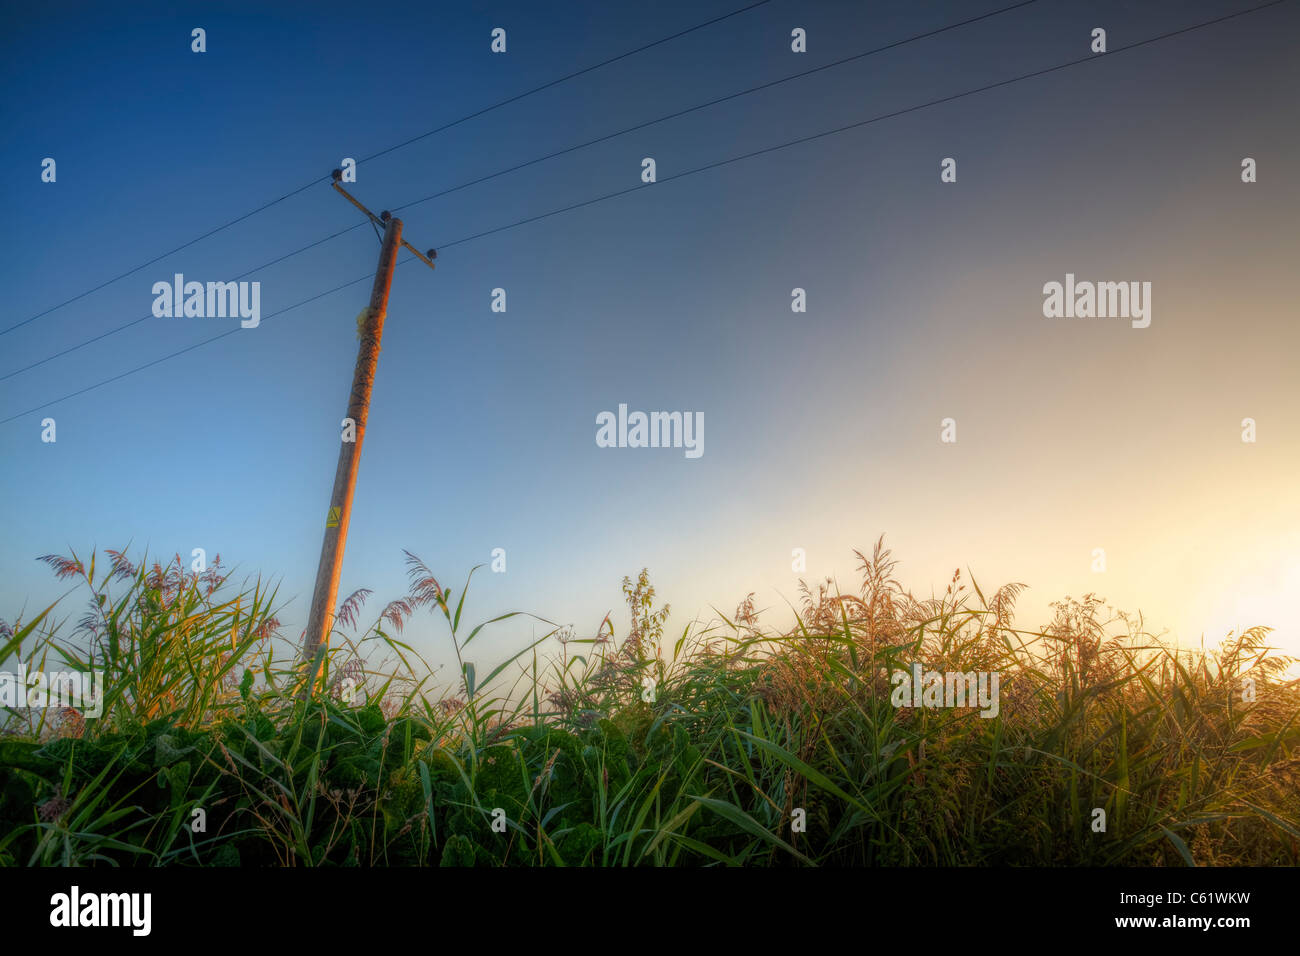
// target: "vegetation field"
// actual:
[[728, 743]]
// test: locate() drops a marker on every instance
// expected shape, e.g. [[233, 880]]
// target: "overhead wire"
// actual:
[[553, 155], [383, 152], [694, 171]]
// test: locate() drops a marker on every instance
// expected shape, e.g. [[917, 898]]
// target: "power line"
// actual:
[[722, 99], [691, 172], [563, 79], [860, 123], [571, 149], [131, 272], [188, 348], [415, 139], [145, 318]]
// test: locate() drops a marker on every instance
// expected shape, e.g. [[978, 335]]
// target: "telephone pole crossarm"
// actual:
[[381, 221]]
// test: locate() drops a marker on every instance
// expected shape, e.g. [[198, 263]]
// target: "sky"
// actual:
[[924, 301]]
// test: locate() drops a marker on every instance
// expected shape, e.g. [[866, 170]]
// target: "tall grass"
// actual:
[[731, 743]]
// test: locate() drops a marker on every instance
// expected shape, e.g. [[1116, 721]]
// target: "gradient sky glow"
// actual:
[[821, 429]]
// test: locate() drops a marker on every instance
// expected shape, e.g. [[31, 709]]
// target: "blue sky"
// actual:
[[821, 429]]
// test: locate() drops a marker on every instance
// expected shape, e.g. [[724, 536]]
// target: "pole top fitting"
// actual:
[[385, 215], [337, 175], [432, 253]]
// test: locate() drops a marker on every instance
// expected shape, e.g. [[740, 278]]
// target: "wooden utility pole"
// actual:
[[370, 330]]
